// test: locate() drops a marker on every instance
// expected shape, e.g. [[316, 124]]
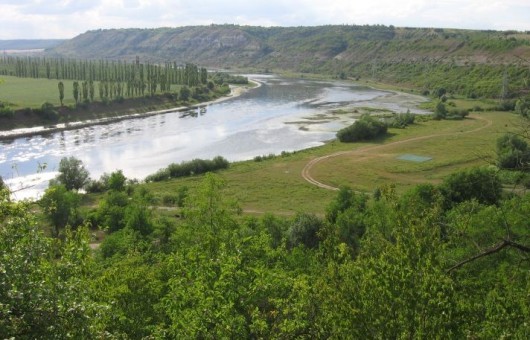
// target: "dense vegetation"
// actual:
[[421, 265]]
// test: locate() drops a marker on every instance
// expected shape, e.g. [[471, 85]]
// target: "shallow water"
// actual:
[[280, 115]]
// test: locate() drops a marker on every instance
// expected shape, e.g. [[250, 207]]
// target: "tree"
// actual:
[[366, 128], [44, 292], [76, 91], [61, 92], [185, 93], [345, 199], [522, 106], [116, 181], [304, 231], [481, 184], [91, 90], [440, 112], [440, 92], [72, 173], [60, 207], [512, 152]]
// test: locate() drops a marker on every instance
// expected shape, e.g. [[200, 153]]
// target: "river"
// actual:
[[279, 115]]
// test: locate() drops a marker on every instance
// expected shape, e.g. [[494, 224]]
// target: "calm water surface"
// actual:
[[280, 115]]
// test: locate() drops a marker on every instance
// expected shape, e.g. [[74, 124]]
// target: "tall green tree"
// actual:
[[61, 208], [76, 91], [61, 92], [72, 173]]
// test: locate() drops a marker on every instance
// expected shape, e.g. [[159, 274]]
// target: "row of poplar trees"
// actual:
[[116, 78]]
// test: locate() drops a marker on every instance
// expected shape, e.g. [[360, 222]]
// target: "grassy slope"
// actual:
[[276, 185]]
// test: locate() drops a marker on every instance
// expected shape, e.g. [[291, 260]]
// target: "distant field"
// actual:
[[29, 92], [277, 186]]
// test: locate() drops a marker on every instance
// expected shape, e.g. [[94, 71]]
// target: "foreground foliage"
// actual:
[[382, 267]]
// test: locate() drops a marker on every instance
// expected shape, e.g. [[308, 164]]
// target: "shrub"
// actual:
[[48, 112], [457, 114], [6, 111], [402, 120], [481, 184], [512, 152], [304, 231], [365, 128], [440, 112], [194, 167]]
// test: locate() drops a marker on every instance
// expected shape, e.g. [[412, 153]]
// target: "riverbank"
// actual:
[[235, 91]]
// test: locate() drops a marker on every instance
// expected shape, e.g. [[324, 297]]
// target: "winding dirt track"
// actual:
[[306, 171]]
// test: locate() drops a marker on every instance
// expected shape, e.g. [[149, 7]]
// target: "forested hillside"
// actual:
[[474, 63]]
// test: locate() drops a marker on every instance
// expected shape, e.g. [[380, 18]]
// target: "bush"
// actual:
[[481, 184], [440, 112], [402, 120], [304, 231], [264, 157], [176, 199], [365, 128], [457, 114], [512, 152], [194, 167], [48, 112], [6, 111], [506, 105]]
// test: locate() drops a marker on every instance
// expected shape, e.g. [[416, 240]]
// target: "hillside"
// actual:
[[300, 48], [474, 63]]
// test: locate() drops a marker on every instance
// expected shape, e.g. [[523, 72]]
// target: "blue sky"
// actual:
[[28, 19]]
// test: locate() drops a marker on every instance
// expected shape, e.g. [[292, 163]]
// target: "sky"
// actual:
[[64, 19]]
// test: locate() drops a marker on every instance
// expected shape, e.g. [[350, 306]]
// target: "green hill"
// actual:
[[452, 58]]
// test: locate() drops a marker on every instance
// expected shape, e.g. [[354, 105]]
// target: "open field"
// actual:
[[276, 185], [30, 92]]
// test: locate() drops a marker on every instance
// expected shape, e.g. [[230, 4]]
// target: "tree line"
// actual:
[[103, 70]]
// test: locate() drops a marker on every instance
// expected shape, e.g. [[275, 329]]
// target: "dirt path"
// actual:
[[306, 171]]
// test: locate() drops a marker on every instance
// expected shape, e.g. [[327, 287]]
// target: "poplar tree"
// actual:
[[61, 92], [76, 91]]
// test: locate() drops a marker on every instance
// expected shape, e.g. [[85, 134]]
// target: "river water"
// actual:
[[280, 115]]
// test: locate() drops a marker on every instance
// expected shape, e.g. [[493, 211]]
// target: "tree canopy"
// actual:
[[72, 173]]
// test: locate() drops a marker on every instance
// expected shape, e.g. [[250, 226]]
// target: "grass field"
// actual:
[[29, 92], [276, 185]]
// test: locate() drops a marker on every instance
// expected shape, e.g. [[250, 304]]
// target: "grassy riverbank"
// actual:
[[276, 185]]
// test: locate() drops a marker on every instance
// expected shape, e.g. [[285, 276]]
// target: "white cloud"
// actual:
[[67, 18]]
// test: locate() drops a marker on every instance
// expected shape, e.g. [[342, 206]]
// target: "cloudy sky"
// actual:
[[27, 19]]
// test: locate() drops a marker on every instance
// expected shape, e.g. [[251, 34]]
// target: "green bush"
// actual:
[[366, 128], [6, 111], [402, 120], [481, 184], [512, 152], [183, 169]]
